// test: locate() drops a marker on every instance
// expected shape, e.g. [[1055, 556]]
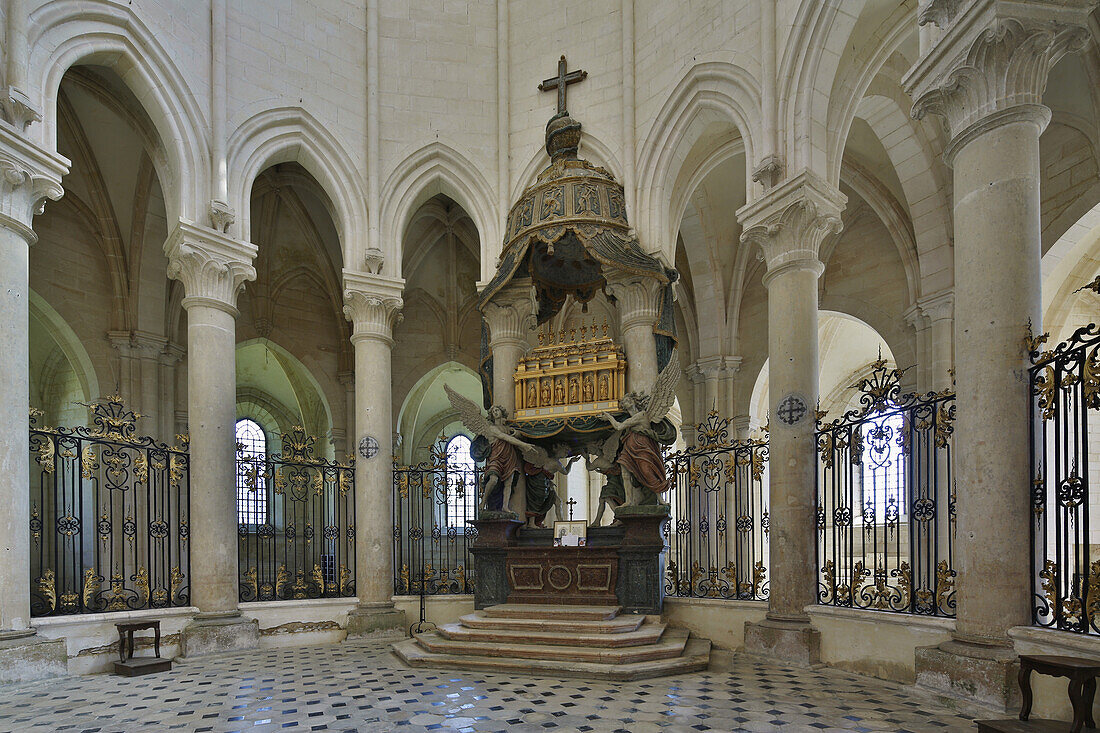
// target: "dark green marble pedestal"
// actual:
[[635, 547]]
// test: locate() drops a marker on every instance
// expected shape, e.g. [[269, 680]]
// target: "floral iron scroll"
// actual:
[[1065, 426], [110, 519], [885, 500]]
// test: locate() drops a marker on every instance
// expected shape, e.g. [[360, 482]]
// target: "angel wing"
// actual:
[[536, 456], [470, 414], [664, 391]]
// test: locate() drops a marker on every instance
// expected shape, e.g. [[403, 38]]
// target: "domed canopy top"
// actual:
[[568, 231]]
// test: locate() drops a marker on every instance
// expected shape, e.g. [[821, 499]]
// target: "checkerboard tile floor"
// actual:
[[362, 687]]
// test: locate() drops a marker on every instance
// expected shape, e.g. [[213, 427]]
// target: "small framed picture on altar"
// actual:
[[570, 534]]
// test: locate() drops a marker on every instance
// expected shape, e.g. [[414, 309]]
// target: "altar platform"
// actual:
[[591, 612], [590, 642]]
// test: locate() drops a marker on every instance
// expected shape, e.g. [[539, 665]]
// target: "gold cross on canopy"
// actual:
[[561, 81]]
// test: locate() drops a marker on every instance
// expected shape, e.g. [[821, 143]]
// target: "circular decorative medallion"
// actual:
[[368, 447], [559, 576], [791, 409]]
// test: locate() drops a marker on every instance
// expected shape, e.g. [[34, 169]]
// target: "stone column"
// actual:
[[213, 269], [789, 224], [372, 304], [172, 355], [638, 308], [28, 176], [347, 379], [139, 363], [939, 310], [740, 427], [920, 373], [986, 76], [510, 316], [710, 369]]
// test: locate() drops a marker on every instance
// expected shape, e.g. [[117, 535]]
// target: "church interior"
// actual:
[[595, 365]]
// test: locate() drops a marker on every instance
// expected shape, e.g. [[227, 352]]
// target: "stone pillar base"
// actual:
[[975, 672], [25, 656], [218, 633], [790, 642], [376, 623]]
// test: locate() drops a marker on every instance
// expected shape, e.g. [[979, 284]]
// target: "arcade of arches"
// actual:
[[268, 224]]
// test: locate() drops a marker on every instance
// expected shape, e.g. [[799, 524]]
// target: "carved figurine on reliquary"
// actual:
[[577, 373]]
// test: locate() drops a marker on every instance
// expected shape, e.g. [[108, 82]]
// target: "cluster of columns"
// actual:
[[213, 268], [983, 71]]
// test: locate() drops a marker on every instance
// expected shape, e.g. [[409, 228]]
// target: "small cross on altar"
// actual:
[[572, 503], [561, 81]]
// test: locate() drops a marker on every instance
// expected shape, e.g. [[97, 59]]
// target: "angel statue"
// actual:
[[640, 437], [504, 468], [606, 462], [510, 459], [542, 495]]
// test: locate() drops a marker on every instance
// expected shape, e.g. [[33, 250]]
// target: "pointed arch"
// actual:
[[64, 33], [433, 169], [291, 134], [68, 342], [710, 92]]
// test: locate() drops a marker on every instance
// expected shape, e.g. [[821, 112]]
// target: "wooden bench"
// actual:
[[126, 663], [1082, 675]]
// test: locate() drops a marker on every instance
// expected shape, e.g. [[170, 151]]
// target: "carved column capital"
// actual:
[[373, 305], [510, 315], [938, 306], [992, 62], [212, 266], [637, 298], [791, 221], [28, 176]]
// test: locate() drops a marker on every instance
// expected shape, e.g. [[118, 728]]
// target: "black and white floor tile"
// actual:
[[362, 687]]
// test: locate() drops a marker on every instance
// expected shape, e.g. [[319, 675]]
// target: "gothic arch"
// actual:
[[64, 33], [68, 343], [423, 406], [302, 382], [855, 76], [709, 92], [433, 169], [286, 134], [798, 67]]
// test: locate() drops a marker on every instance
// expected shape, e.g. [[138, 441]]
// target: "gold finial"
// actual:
[[584, 329], [573, 335], [541, 337], [605, 326], [561, 334]]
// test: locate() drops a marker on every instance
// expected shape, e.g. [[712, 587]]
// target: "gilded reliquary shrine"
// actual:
[[567, 375]]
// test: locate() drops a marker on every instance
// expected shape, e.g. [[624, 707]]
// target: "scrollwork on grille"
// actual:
[[719, 485], [884, 477], [109, 507]]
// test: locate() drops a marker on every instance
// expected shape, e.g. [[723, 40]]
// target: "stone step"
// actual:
[[648, 633], [695, 657], [617, 625], [566, 613], [670, 645]]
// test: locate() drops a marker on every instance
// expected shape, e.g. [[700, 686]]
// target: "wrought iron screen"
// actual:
[[109, 516], [718, 532], [1065, 465], [886, 501], [434, 503], [295, 523]]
